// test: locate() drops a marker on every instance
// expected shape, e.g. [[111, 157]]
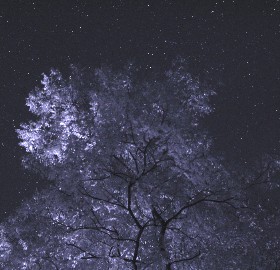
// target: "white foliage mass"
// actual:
[[5, 246], [133, 182]]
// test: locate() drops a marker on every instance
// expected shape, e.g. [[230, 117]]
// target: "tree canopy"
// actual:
[[134, 183]]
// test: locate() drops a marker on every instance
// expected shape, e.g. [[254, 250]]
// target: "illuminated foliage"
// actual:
[[133, 182]]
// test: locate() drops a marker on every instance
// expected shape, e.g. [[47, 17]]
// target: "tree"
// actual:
[[134, 184]]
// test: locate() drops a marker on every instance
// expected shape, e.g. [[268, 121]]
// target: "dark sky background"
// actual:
[[233, 44]]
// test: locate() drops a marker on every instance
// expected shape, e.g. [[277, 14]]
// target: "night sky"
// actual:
[[233, 45]]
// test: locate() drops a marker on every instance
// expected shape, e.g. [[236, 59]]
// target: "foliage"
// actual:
[[134, 184]]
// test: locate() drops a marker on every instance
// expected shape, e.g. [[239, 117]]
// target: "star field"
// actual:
[[233, 45]]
